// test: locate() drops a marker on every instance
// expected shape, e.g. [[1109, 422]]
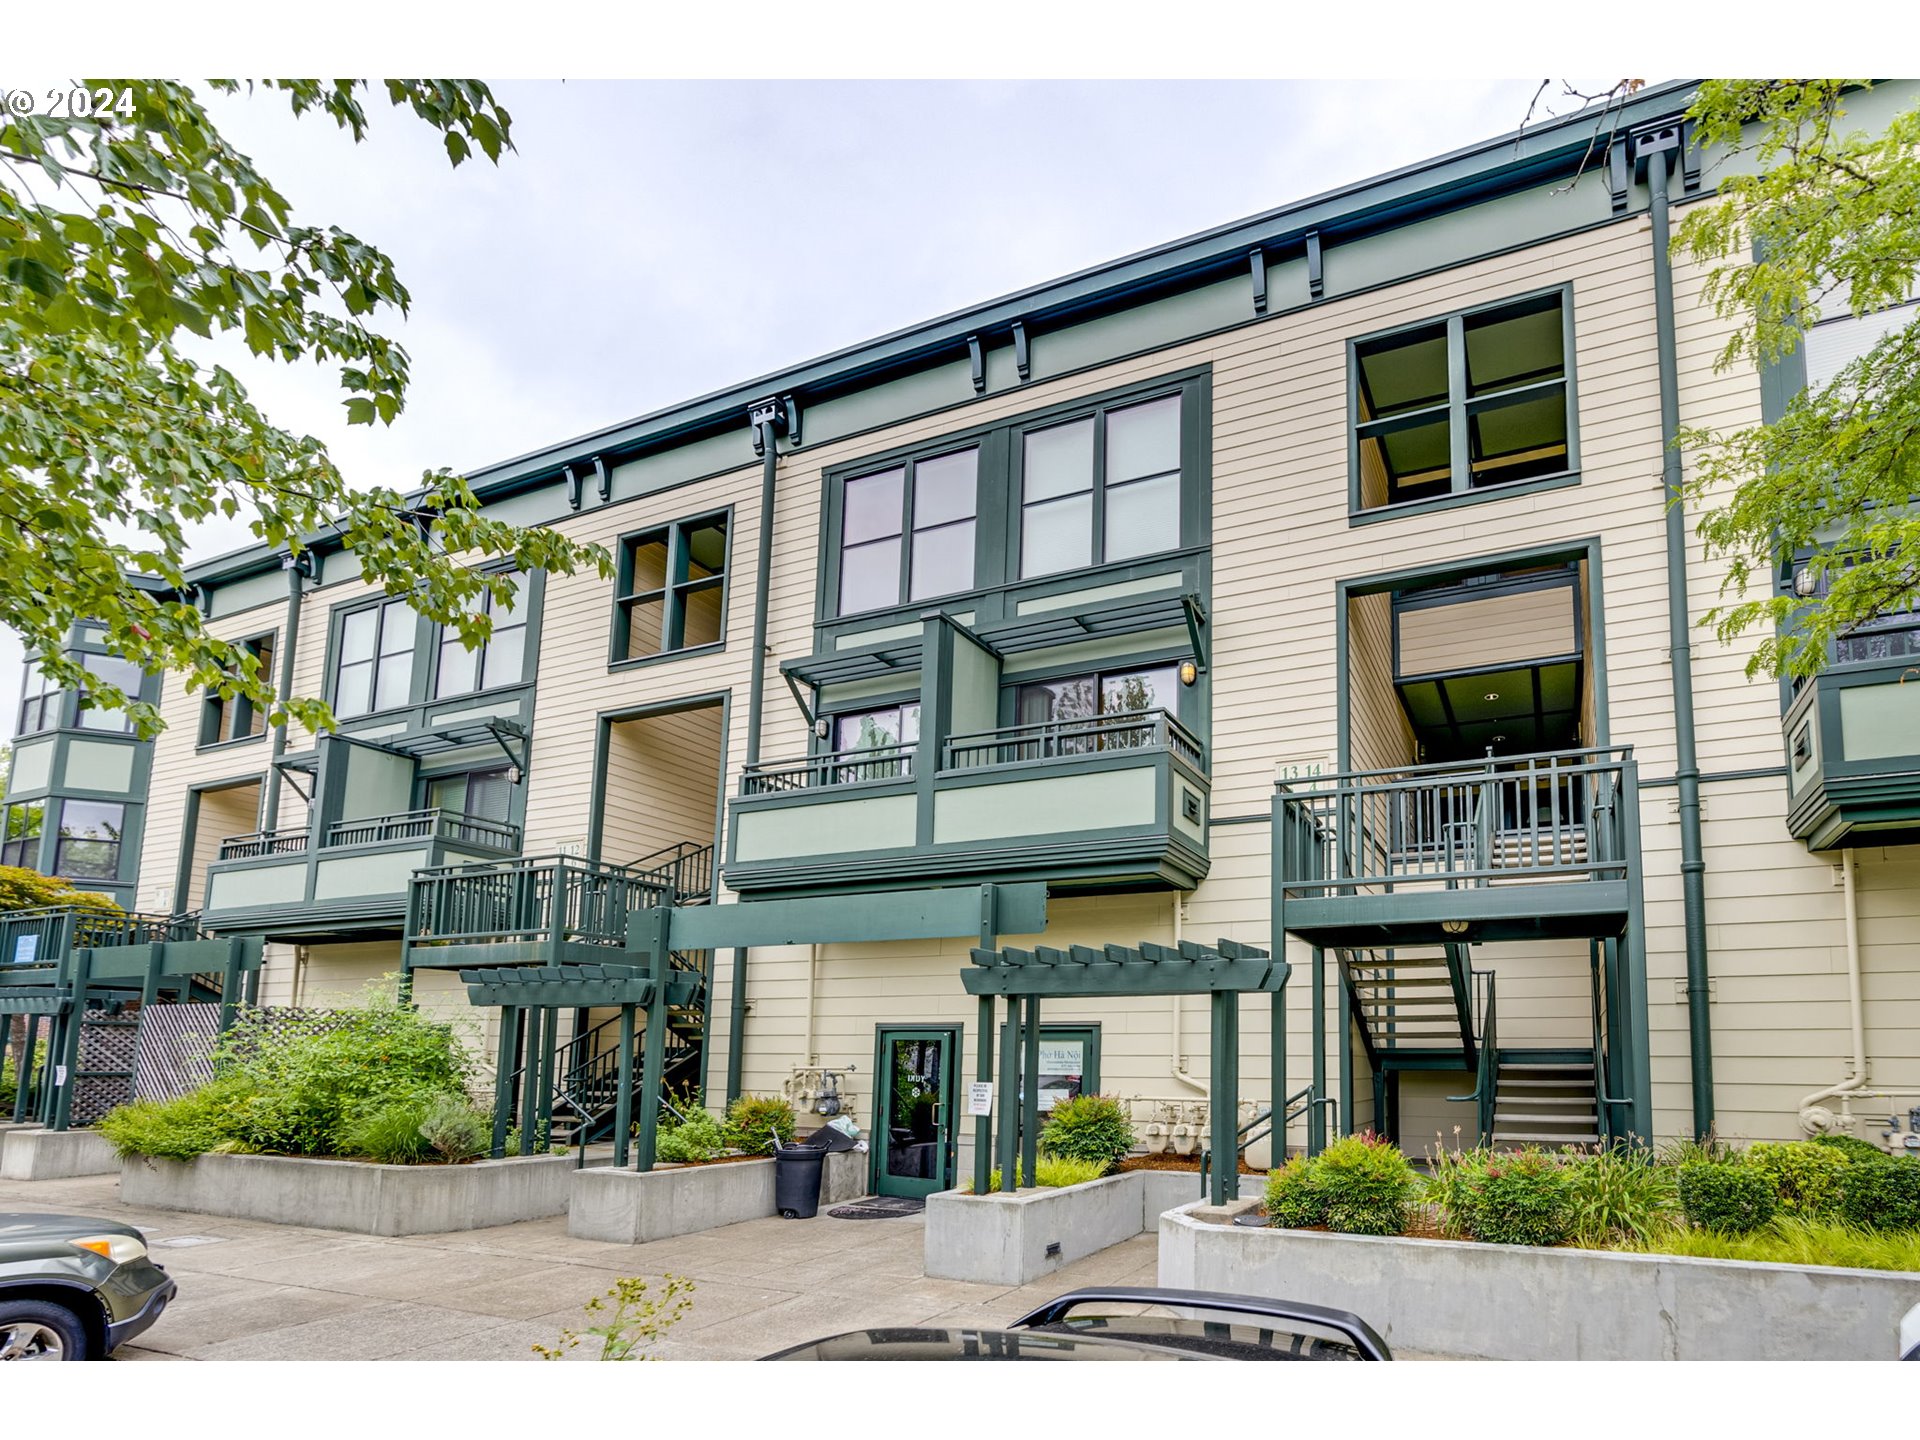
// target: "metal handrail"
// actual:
[[1487, 1074], [63, 928], [1086, 735], [831, 767], [287, 840], [430, 824], [1619, 754], [1243, 1138], [685, 868]]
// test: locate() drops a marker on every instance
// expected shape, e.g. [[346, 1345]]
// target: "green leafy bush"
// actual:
[[1052, 1172], [1620, 1192], [1881, 1194], [1365, 1184], [1292, 1202], [1805, 1176], [699, 1138], [1521, 1199], [1728, 1197], [456, 1131], [755, 1121], [179, 1129], [1088, 1127], [30, 890], [1853, 1147], [388, 1131], [993, 1180]]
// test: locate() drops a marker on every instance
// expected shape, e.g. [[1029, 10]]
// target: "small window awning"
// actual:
[[1016, 636], [505, 733]]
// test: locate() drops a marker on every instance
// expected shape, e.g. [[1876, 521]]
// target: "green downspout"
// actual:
[[768, 418], [1680, 646], [270, 814]]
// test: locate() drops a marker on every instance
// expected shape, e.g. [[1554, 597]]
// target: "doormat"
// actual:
[[879, 1207]]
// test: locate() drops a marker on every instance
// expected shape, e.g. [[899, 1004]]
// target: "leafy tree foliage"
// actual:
[[30, 890], [119, 232], [1829, 218]]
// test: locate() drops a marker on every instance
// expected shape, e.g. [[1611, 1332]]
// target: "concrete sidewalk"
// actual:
[[252, 1291]]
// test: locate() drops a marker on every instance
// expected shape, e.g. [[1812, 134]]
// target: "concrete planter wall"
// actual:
[[28, 1152], [1012, 1239], [350, 1195], [1516, 1302], [631, 1208]]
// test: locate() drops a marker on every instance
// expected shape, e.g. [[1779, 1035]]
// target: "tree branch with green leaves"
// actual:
[[117, 233]]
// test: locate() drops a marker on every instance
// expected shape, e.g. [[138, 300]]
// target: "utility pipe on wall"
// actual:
[[1815, 1118], [1178, 1031], [296, 573], [1693, 866]]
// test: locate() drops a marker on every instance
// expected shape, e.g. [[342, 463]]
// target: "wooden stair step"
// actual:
[[1523, 1117], [1535, 1068]]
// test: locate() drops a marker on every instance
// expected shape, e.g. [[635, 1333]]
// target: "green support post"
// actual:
[[230, 983], [150, 982], [503, 1082], [1277, 1082], [1316, 1112], [67, 1057], [529, 1076], [24, 1076], [1346, 1056], [253, 986], [1030, 1094], [1224, 1097], [652, 933], [983, 1125], [1009, 1137], [549, 1049], [623, 1103], [1633, 967]]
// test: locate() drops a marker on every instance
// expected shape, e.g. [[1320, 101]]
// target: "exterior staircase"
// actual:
[[1414, 1006], [1542, 1101]]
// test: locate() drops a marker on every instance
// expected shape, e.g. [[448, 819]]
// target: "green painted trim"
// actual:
[[921, 914], [1483, 496], [617, 635], [951, 1037]]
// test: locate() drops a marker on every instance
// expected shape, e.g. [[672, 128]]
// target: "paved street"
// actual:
[[253, 1291]]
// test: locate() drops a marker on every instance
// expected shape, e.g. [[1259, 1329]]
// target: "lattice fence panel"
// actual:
[[176, 1041], [108, 1043]]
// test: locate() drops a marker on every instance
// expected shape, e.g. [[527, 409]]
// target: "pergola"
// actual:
[[1224, 970]]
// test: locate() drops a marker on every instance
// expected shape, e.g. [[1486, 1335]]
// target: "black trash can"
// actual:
[[796, 1181]]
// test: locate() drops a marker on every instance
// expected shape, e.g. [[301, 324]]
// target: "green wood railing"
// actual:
[[557, 898]]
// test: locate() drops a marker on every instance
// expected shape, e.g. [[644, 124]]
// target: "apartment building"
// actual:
[[1309, 583]]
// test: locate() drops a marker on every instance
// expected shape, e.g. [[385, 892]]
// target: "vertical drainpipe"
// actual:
[[296, 568], [769, 419], [1660, 150]]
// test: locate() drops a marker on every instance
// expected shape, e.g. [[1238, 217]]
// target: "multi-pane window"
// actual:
[[906, 533], [889, 735], [374, 670], [1894, 634], [239, 718], [1464, 403], [124, 676], [1101, 488], [1074, 712], [482, 794], [672, 589], [500, 661], [39, 701], [89, 846], [20, 834]]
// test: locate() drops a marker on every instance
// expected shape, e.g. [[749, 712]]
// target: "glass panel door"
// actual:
[[914, 1133]]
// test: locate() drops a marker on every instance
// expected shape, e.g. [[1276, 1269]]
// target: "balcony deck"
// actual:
[[1515, 848], [1852, 739], [352, 885], [1102, 802]]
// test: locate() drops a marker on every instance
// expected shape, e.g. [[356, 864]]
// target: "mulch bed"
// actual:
[[1189, 1164]]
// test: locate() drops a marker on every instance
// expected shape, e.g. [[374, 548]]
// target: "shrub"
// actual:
[[699, 1138], [1881, 1194], [1365, 1184], [1088, 1127], [181, 1128], [1852, 1146], [1797, 1242], [30, 890], [1805, 1176], [1729, 1198], [455, 1130], [1522, 1199], [1445, 1187], [1619, 1192], [1054, 1171], [754, 1122], [1292, 1201], [387, 1131], [993, 1180]]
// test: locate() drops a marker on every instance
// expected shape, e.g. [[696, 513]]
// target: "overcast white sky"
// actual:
[[650, 241]]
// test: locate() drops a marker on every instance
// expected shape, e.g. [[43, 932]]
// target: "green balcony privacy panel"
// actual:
[[1880, 722]]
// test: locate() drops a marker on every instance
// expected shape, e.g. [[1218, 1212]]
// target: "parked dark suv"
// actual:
[[74, 1288]]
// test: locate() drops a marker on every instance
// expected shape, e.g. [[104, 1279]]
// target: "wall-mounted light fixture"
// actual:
[[823, 727], [1189, 672], [1804, 583]]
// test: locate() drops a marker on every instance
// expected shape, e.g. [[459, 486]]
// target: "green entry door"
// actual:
[[913, 1129]]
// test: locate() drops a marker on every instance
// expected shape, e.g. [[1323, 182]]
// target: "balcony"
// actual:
[[1514, 848], [553, 908], [1852, 738], [353, 884], [1111, 801]]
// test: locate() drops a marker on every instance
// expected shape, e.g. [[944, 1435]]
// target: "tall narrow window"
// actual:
[[934, 500], [20, 834], [500, 661], [124, 676], [1102, 488], [239, 718], [375, 667], [39, 701], [89, 847], [672, 589], [482, 794], [1466, 403], [889, 736], [1071, 716]]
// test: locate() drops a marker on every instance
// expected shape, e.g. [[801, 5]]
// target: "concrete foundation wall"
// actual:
[[349, 1195], [33, 1154], [631, 1208], [1516, 1302]]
